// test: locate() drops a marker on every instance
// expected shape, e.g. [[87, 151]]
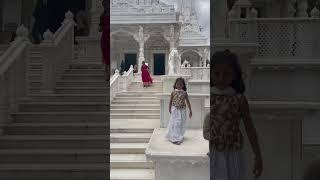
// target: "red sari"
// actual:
[[146, 78], [105, 39]]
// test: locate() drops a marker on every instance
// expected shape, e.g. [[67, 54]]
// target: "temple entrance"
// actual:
[[129, 59], [159, 64]]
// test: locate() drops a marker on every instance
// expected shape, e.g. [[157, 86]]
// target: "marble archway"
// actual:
[[192, 56], [123, 44]]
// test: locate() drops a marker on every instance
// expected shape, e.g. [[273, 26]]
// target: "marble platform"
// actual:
[[188, 161]]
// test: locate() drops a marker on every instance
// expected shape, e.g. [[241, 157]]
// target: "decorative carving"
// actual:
[[22, 32], [174, 62], [302, 8], [48, 36], [315, 12]]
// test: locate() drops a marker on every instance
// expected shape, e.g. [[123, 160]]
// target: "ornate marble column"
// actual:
[[96, 10], [171, 37], [141, 38]]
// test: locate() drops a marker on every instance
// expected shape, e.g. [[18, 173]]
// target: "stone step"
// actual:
[[132, 94], [81, 83], [159, 84], [53, 141], [134, 116], [61, 117], [134, 125], [142, 92], [57, 128], [130, 161], [24, 156], [137, 111], [128, 148], [130, 137], [145, 90], [132, 174], [84, 71], [85, 171], [124, 101], [120, 97], [86, 66], [83, 77], [82, 90], [66, 98], [135, 106], [62, 106]]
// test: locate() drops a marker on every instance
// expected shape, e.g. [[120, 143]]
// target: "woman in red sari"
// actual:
[[145, 74], [105, 37]]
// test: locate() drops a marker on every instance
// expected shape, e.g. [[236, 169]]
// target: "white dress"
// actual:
[[176, 126]]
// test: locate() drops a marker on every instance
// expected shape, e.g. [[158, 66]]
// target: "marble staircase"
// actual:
[[134, 115], [63, 135]]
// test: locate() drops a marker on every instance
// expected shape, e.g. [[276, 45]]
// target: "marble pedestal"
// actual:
[[188, 161], [199, 86]]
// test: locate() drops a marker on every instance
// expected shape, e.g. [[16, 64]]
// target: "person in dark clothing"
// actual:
[[41, 20]]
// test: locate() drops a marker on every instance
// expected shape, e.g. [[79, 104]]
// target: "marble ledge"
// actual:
[[193, 150], [191, 95]]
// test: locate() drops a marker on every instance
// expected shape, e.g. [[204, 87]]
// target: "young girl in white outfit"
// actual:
[[177, 109]]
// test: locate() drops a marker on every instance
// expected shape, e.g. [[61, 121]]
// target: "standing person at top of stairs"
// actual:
[[105, 38], [145, 75]]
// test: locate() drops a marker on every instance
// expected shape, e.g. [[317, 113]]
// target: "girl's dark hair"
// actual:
[[227, 57], [180, 79]]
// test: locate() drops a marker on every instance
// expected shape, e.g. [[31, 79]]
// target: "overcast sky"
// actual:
[[203, 12]]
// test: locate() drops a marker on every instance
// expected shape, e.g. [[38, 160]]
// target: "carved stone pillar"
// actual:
[[141, 38], [96, 10], [171, 37]]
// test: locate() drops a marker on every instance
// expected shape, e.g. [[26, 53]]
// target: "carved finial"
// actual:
[[22, 32], [232, 13], [116, 71], [48, 36], [69, 15], [131, 66], [253, 13], [208, 65], [315, 12]]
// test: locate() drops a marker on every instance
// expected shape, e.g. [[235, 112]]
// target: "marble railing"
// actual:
[[114, 85], [196, 73], [119, 83], [127, 78], [12, 75], [55, 52], [279, 37]]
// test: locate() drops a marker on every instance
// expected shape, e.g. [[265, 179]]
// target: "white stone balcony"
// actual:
[[294, 38]]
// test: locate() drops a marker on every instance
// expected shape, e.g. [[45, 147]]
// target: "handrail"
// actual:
[[12, 75], [15, 49], [62, 41]]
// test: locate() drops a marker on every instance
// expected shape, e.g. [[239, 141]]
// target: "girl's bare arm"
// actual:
[[170, 103], [250, 129], [188, 103], [252, 135]]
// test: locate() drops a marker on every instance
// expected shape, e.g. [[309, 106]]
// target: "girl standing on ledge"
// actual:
[[177, 109], [221, 127], [104, 27]]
